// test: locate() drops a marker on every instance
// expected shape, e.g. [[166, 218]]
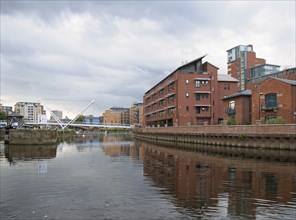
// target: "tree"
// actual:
[[3, 115], [80, 119]]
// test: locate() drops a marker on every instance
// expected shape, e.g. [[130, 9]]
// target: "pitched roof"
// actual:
[[180, 67], [291, 82], [226, 78], [241, 93], [192, 61]]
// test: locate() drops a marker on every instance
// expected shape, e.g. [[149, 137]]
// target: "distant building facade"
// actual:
[[57, 113], [90, 119], [190, 95], [6, 109], [240, 60], [262, 70], [283, 74], [116, 116], [30, 110], [136, 114]]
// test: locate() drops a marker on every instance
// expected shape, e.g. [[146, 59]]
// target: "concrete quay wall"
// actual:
[[36, 136], [282, 137], [31, 136]]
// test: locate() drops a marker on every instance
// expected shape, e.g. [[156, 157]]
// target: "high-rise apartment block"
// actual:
[[190, 95], [30, 110], [240, 61]]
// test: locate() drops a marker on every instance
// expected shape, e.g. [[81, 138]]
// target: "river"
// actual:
[[113, 176]]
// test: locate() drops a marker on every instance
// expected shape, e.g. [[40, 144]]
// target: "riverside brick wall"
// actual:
[[251, 136], [233, 129]]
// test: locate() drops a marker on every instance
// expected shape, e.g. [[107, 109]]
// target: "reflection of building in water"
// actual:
[[190, 181], [21, 152], [123, 150], [117, 150], [197, 181], [114, 145]]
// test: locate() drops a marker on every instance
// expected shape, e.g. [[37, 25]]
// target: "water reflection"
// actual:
[[14, 153], [209, 185], [114, 177]]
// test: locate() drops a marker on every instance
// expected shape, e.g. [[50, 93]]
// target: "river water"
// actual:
[[113, 176]]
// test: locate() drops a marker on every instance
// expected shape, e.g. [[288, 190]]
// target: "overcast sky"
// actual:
[[112, 52]]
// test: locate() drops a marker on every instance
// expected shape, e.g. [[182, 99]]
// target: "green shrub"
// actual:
[[231, 121], [276, 121]]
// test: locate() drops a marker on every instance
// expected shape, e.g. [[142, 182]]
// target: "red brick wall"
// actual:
[[222, 92], [285, 96], [232, 70], [242, 109], [214, 91]]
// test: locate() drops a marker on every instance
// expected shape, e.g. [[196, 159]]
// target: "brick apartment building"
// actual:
[[254, 76], [136, 114], [116, 116], [277, 92], [190, 95], [196, 94]]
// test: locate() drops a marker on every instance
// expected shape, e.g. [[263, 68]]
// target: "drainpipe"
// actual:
[[293, 103]]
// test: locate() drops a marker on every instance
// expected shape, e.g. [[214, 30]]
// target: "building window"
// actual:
[[207, 83], [197, 83], [186, 81], [270, 101], [197, 97], [231, 108], [187, 108], [203, 83], [197, 110], [187, 94]]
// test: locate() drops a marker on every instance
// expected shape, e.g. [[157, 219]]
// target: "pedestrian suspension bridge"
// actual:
[[73, 123]]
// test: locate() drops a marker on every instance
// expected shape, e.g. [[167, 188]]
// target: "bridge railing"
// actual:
[[114, 125]]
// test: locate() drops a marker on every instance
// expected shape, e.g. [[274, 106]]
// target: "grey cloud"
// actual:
[[114, 51]]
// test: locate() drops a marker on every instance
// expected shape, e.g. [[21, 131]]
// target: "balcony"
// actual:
[[269, 108], [230, 111]]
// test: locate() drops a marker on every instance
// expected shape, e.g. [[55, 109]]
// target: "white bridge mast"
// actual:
[[62, 125]]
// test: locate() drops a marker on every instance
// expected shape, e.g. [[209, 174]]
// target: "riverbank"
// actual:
[[282, 137]]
